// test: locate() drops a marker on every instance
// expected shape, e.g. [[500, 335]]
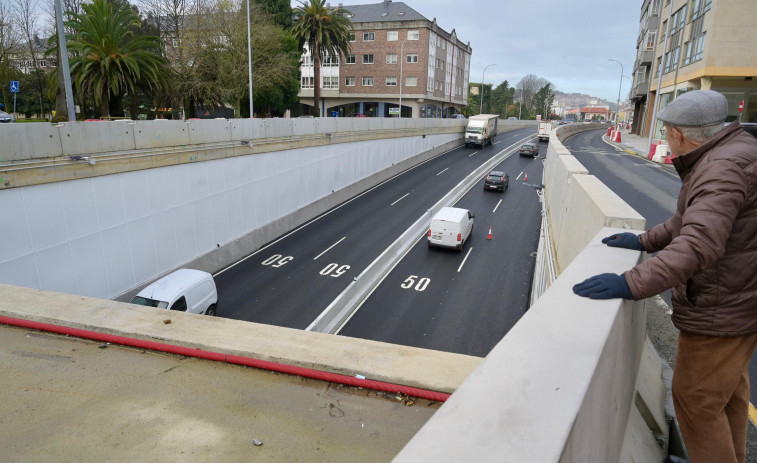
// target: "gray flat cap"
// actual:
[[696, 108]]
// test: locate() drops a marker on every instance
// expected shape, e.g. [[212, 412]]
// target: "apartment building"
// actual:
[[642, 68], [704, 45], [396, 54]]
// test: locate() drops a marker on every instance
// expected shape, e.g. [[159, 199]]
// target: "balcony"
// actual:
[[644, 57], [640, 89]]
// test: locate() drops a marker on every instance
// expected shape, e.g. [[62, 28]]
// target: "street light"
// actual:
[[402, 60], [520, 106], [65, 70], [481, 108], [619, 87], [249, 57]]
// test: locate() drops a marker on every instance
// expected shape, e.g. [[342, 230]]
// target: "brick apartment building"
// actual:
[[395, 53], [710, 46]]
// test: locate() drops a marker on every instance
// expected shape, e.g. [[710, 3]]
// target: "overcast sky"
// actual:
[[566, 42]]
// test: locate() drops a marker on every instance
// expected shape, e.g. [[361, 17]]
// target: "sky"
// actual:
[[566, 42]]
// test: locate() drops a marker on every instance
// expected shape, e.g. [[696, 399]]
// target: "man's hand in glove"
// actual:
[[604, 286], [624, 240]]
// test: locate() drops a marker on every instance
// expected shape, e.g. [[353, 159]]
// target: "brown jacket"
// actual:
[[708, 249]]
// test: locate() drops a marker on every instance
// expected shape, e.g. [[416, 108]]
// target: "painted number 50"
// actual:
[[421, 285], [277, 260]]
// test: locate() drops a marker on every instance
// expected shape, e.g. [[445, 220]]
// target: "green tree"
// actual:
[[109, 60], [279, 10], [543, 100], [326, 33]]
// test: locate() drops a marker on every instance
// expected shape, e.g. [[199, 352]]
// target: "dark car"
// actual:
[[529, 149], [497, 180]]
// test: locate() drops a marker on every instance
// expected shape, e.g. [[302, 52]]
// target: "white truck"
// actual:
[[544, 129], [481, 130]]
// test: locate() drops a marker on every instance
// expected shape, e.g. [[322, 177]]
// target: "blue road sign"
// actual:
[[14, 86]]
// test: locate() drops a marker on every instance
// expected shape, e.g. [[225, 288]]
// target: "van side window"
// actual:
[[180, 305]]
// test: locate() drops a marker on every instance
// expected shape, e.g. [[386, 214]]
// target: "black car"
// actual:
[[497, 180], [529, 149]]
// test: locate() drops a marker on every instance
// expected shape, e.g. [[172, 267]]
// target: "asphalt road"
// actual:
[[652, 189], [463, 302], [290, 281]]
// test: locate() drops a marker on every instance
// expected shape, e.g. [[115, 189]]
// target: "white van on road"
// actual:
[[185, 290], [451, 227]]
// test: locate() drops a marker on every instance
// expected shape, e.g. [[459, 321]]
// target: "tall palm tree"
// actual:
[[108, 59], [326, 32]]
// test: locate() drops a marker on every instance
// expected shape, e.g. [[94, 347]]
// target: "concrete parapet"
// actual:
[[409, 366], [558, 387]]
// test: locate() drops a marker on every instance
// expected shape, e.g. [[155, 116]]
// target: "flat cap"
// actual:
[[696, 108]]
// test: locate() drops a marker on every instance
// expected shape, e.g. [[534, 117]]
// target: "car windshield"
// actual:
[[528, 147], [139, 300], [474, 130]]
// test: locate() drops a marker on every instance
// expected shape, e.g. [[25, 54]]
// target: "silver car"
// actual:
[[5, 117]]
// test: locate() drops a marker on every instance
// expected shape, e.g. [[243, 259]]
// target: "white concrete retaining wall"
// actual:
[[107, 236]]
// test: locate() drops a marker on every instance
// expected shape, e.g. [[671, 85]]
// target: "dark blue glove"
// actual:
[[604, 286], [624, 240]]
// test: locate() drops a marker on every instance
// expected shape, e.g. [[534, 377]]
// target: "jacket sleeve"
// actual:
[[661, 235], [716, 195]]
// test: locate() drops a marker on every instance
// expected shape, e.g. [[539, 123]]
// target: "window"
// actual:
[[42, 63], [698, 48], [352, 37], [369, 36], [307, 82], [391, 58], [411, 81], [368, 59], [330, 62], [671, 60], [349, 81], [391, 81], [392, 36], [412, 57], [180, 305], [413, 35], [350, 59], [367, 81], [330, 82], [650, 40], [429, 84]]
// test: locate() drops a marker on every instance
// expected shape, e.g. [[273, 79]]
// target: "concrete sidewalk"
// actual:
[[632, 144]]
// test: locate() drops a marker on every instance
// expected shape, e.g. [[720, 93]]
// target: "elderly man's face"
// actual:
[[675, 140]]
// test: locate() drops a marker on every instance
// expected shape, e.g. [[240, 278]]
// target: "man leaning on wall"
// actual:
[[707, 253]]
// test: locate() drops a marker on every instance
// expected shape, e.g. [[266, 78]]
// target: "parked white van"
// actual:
[[451, 227], [185, 290]]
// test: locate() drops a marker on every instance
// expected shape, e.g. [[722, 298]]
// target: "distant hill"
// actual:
[[577, 100]]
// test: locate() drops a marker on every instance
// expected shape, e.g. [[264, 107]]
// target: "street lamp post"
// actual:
[[481, 107], [520, 106], [619, 87], [249, 57], [65, 70], [402, 60]]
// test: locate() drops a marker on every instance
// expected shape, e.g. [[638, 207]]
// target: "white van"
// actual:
[[451, 227], [185, 290]]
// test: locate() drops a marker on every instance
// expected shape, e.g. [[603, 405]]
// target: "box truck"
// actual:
[[481, 130], [544, 129]]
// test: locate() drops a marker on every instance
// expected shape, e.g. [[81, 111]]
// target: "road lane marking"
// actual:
[[400, 199], [518, 178], [440, 173], [472, 153], [753, 414], [495, 207], [496, 142], [327, 250], [466, 258]]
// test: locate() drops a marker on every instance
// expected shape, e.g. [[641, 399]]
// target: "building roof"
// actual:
[[594, 109], [384, 11]]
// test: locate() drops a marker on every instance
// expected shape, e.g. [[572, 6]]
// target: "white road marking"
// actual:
[[496, 142], [406, 195], [466, 258], [518, 178], [495, 207], [475, 152], [327, 250], [440, 173]]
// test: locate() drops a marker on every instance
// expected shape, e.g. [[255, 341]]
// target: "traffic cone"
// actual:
[[489, 236], [525, 178], [616, 138]]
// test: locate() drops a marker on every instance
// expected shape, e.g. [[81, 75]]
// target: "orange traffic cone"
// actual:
[[525, 179], [489, 236]]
